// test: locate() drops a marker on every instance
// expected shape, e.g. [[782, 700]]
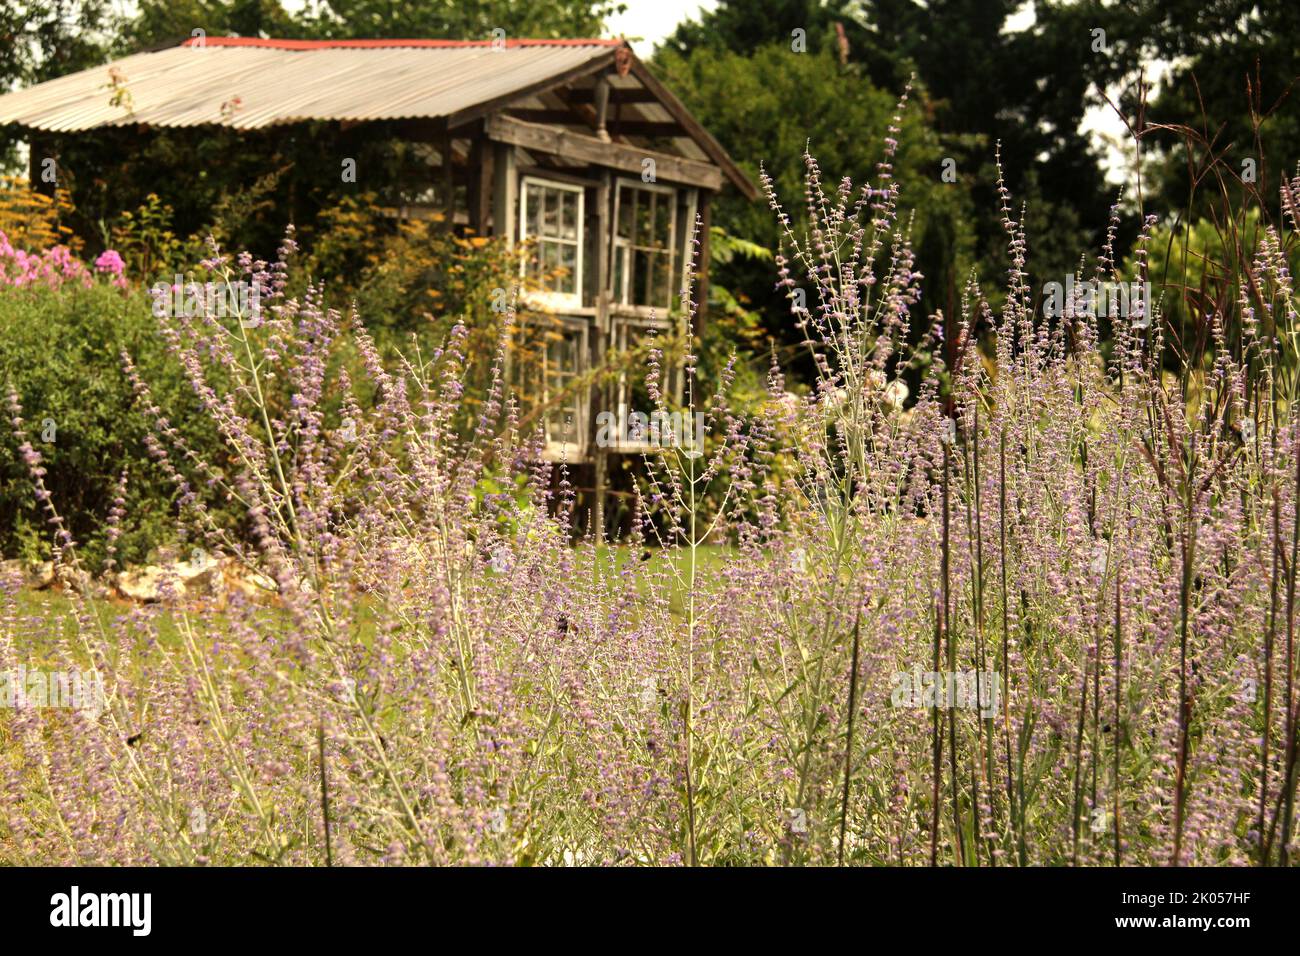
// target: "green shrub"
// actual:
[[61, 351]]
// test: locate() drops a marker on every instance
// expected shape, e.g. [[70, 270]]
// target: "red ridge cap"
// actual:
[[275, 44]]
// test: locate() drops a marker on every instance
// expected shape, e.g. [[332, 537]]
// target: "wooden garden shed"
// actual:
[[572, 145]]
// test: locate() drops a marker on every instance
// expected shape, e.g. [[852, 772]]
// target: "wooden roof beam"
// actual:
[[589, 149], [587, 94], [615, 127]]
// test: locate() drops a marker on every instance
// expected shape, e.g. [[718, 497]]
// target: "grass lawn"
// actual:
[[44, 610]]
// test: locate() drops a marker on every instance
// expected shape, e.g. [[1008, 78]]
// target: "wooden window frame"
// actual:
[[621, 326], [574, 448], [547, 298], [617, 246]]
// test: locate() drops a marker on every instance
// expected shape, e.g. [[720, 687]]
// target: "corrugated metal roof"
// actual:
[[249, 84]]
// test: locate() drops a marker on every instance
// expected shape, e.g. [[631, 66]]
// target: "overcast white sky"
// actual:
[[654, 20]]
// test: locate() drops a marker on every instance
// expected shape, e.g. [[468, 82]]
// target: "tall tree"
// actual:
[[45, 39], [459, 19]]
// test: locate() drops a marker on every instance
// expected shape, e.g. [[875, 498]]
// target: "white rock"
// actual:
[[198, 577], [40, 575], [142, 584], [36, 575], [75, 580]]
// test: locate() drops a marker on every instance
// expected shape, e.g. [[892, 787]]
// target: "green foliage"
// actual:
[[48, 38], [174, 20], [1232, 80], [404, 272], [145, 241], [766, 108], [408, 276], [978, 84], [507, 497], [242, 186], [1201, 269], [60, 350], [166, 20], [458, 19], [733, 328], [42, 40]]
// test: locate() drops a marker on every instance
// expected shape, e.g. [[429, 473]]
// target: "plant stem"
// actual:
[[937, 746], [1269, 638], [951, 660], [324, 792], [1006, 627], [1287, 815], [1184, 703], [848, 747], [1119, 624], [690, 681]]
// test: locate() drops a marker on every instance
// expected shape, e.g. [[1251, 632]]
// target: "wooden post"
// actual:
[[505, 191], [599, 394], [601, 98]]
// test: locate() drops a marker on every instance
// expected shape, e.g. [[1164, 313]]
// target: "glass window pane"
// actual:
[[621, 294], [626, 210], [568, 262], [550, 214], [640, 278], [532, 204], [643, 213], [663, 222], [552, 221], [563, 365], [633, 389], [659, 280], [569, 218], [652, 223]]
